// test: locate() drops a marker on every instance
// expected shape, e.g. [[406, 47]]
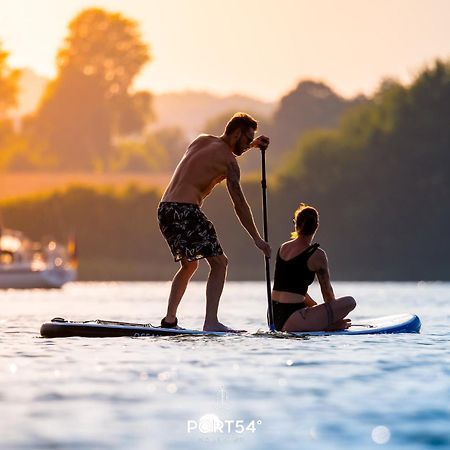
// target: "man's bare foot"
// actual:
[[340, 325], [217, 326]]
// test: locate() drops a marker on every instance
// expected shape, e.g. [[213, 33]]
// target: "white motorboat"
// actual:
[[28, 265]]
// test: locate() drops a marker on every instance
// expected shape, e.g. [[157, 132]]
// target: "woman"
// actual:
[[298, 261]]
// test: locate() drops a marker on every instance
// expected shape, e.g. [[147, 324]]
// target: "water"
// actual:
[[336, 392]]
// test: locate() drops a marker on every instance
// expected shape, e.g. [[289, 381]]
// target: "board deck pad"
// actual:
[[58, 327]]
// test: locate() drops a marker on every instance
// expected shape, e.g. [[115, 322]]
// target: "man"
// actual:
[[189, 234]]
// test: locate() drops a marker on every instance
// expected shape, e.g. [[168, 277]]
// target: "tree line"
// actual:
[[380, 179]]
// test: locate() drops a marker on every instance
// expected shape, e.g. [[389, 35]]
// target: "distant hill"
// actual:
[[191, 110]]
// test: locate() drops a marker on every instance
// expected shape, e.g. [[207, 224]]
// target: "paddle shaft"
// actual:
[[266, 238]]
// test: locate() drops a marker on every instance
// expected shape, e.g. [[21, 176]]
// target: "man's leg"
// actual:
[[179, 285], [214, 288]]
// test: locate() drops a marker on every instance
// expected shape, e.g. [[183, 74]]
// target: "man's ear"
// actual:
[[235, 136], [237, 133]]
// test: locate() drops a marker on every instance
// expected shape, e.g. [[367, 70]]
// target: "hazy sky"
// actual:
[[255, 47]]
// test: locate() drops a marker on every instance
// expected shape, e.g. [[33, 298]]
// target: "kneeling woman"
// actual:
[[298, 261]]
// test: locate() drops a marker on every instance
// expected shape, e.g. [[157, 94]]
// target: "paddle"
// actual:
[[266, 238]]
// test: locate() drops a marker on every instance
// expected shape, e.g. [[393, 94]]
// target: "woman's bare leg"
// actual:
[[317, 318]]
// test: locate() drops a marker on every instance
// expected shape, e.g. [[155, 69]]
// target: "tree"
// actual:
[[9, 84], [89, 103], [10, 143], [107, 46], [310, 106]]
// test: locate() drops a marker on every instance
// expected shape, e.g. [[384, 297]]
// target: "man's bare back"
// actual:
[[204, 165]]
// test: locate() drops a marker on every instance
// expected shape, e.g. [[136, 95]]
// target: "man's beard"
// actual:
[[239, 149]]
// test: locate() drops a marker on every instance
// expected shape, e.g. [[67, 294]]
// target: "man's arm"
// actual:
[[242, 208]]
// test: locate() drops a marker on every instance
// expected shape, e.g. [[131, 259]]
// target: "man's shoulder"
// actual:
[[215, 147], [208, 139]]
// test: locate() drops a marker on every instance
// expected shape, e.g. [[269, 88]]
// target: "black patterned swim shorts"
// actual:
[[188, 232]]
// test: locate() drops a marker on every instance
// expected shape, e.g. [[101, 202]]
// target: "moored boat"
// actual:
[[25, 264]]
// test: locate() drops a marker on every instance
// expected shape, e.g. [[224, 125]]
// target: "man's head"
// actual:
[[240, 130]]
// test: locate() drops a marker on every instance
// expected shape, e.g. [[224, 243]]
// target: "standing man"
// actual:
[[188, 232]]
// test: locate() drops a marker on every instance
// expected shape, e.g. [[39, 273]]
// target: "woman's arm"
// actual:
[[309, 300], [319, 263]]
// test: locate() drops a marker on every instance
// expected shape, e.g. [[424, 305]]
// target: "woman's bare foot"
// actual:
[[340, 325]]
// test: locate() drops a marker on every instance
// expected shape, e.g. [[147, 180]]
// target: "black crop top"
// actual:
[[293, 275]]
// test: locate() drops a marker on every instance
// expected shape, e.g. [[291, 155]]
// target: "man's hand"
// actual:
[[261, 142], [263, 246]]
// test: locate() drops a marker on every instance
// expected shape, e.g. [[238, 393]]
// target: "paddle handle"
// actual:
[[266, 238]]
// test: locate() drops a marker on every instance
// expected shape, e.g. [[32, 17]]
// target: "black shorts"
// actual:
[[188, 232], [282, 312]]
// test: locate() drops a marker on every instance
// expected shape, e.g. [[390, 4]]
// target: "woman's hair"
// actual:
[[306, 220]]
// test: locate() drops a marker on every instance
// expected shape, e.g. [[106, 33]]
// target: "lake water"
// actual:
[[335, 392]]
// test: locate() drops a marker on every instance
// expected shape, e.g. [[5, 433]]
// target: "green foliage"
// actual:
[[130, 113], [174, 142], [147, 155], [383, 178], [14, 154], [312, 105], [117, 230], [117, 227]]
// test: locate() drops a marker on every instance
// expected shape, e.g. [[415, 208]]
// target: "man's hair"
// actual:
[[241, 121], [306, 219]]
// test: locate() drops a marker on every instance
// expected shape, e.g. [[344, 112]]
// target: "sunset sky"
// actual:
[[255, 47]]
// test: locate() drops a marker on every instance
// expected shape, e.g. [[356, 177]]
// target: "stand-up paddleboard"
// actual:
[[399, 323], [58, 327]]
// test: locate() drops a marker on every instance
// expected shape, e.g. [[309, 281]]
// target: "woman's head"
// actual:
[[306, 221]]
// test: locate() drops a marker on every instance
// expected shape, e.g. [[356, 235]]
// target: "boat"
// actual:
[[25, 264]]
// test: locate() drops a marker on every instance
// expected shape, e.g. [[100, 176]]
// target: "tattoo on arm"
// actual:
[[241, 206], [234, 184]]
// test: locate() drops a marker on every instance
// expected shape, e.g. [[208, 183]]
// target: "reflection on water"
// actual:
[[354, 392]]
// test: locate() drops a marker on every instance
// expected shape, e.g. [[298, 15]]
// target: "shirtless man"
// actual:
[[189, 234]]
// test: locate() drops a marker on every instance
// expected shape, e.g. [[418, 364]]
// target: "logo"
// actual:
[[211, 423], [222, 427]]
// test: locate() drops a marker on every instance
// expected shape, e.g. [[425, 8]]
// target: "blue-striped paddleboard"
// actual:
[[399, 323]]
